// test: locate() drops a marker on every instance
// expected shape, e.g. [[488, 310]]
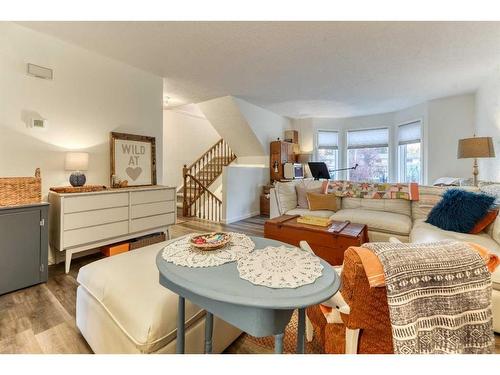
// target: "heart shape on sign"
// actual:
[[134, 173]]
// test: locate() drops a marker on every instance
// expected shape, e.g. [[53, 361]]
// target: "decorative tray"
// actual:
[[210, 241], [78, 189]]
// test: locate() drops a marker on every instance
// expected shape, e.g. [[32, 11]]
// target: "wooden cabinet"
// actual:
[[265, 208], [83, 221], [280, 153], [23, 246], [265, 200]]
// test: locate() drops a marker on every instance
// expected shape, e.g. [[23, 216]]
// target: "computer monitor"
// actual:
[[319, 170]]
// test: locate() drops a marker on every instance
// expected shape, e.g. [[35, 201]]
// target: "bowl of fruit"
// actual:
[[210, 241]]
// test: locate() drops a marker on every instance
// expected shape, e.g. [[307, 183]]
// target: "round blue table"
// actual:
[[258, 310]]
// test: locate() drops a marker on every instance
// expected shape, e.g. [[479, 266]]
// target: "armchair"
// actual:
[[356, 320]]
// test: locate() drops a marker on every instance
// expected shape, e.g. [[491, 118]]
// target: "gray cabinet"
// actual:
[[23, 246]]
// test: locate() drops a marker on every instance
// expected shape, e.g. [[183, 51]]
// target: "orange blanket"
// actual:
[[375, 272]]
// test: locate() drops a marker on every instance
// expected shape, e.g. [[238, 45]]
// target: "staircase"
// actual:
[[197, 199]]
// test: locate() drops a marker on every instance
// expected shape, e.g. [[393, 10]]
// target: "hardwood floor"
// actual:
[[41, 319]]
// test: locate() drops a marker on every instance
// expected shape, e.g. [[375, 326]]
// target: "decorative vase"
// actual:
[[77, 179]]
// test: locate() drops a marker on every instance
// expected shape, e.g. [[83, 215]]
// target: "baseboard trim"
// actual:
[[238, 218]]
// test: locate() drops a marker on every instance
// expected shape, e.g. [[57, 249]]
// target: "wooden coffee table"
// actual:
[[326, 242]]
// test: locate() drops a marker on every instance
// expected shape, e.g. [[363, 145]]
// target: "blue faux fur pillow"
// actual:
[[460, 210]]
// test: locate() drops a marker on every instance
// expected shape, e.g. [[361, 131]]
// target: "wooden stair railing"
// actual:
[[199, 176], [205, 205]]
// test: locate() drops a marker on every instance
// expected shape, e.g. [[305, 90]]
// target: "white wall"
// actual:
[[89, 97], [267, 125], [226, 117], [186, 136], [450, 119], [247, 128], [488, 124], [242, 186], [444, 122]]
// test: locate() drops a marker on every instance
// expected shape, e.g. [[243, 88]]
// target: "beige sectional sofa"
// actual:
[[397, 218]]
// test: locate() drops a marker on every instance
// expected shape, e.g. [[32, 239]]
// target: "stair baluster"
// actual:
[[198, 200]]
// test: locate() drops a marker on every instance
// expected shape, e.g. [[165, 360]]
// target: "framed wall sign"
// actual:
[[133, 158]]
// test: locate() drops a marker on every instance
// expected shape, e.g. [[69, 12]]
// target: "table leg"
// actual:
[[278, 343], [180, 325], [209, 323], [301, 331]]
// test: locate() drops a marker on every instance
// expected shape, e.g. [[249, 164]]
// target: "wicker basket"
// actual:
[[20, 190], [147, 240]]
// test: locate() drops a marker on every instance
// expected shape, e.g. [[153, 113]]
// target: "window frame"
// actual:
[[337, 148], [400, 172], [389, 143]]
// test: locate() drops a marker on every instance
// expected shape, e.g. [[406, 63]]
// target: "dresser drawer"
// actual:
[[94, 202], [84, 219], [149, 196], [150, 209], [92, 234], [152, 222]]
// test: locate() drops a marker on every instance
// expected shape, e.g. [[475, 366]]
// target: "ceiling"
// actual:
[[300, 69]]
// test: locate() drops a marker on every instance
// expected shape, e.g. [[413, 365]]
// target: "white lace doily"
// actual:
[[181, 252], [280, 267]]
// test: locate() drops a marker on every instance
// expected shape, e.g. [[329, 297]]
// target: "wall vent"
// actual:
[[40, 71]]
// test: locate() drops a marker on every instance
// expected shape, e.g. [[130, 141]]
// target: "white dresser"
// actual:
[[83, 221]]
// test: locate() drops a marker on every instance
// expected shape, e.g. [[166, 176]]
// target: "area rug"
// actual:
[[289, 341]]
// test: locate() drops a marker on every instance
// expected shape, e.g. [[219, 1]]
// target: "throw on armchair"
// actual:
[[357, 320], [366, 328]]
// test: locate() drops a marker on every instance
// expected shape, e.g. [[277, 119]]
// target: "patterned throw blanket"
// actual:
[[369, 190], [439, 297]]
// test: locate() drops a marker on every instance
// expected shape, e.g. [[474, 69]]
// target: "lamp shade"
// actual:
[[76, 161], [477, 147], [304, 158]]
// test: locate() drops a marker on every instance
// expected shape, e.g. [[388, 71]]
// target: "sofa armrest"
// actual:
[[493, 230], [274, 210]]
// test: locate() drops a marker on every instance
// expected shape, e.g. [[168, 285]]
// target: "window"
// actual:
[[327, 150], [409, 152], [370, 150]]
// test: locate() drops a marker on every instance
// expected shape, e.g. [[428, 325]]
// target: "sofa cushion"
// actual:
[[388, 222], [460, 210], [286, 196], [306, 212], [425, 232], [429, 196], [127, 286], [491, 189], [486, 221], [399, 206], [286, 193], [493, 230], [318, 202], [302, 191]]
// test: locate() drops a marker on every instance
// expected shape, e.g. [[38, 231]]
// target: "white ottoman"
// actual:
[[122, 308]]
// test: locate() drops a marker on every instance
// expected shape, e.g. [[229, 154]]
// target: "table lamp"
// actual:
[[77, 162], [473, 148]]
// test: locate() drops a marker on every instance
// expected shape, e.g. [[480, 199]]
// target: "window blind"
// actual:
[[369, 138], [328, 139], [409, 133]]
